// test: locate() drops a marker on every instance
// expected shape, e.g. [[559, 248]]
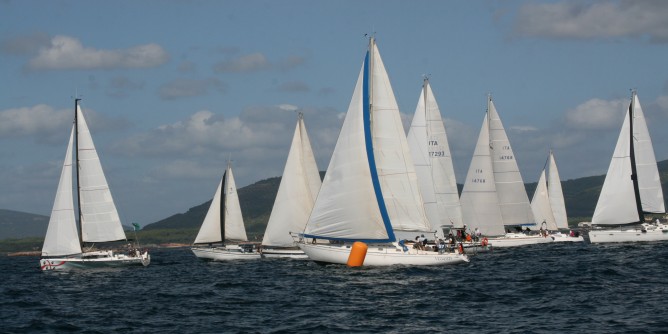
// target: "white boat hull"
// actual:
[[630, 235], [284, 253], [562, 237], [379, 255], [224, 253], [518, 239], [98, 259]]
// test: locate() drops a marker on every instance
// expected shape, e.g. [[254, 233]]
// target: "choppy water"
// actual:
[[543, 288]]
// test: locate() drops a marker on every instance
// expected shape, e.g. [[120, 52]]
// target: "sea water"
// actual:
[[558, 287]]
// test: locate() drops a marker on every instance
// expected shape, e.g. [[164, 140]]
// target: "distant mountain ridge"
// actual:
[[257, 201]]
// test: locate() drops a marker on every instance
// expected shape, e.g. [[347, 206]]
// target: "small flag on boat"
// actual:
[[136, 226]]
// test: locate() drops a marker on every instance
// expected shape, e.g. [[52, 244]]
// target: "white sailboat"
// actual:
[[632, 187], [430, 150], [65, 243], [494, 195], [370, 192], [428, 143], [295, 198], [222, 233], [548, 204]]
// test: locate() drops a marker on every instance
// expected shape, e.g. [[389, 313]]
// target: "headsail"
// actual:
[[556, 194], [540, 204], [297, 192], [62, 236], [430, 150], [234, 222], [480, 204], [211, 230]]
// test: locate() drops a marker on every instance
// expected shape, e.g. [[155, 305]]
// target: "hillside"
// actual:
[[15, 224]]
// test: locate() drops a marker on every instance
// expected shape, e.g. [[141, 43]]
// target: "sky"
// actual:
[[173, 89]]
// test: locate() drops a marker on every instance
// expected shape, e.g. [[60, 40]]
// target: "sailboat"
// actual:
[[632, 187], [494, 195], [222, 233], [68, 246], [295, 198], [548, 204], [370, 192], [430, 150]]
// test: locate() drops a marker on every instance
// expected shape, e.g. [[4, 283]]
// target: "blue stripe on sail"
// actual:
[[369, 152], [369, 241]]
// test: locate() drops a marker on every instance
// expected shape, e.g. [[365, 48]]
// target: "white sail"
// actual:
[[62, 237], [540, 204], [370, 188], [480, 205], [99, 218], [210, 231], [556, 195], [430, 151], [617, 201], [649, 183], [234, 222], [297, 192], [513, 199]]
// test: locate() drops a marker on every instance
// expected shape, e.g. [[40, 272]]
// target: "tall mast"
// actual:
[[634, 172], [76, 149], [223, 196]]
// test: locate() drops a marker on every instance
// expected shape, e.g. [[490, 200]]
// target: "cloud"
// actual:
[[260, 135], [186, 66], [67, 53], [48, 125], [181, 88], [597, 114], [25, 45], [256, 62], [607, 20], [40, 121], [523, 128]]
